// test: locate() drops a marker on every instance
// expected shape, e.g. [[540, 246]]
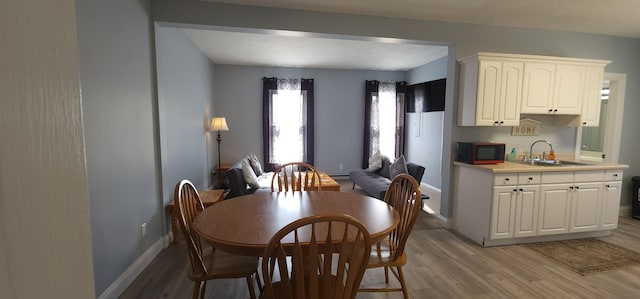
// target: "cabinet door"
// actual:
[[489, 78], [510, 93], [555, 205], [568, 89], [610, 204], [526, 218], [537, 88], [585, 206], [502, 211], [590, 116]]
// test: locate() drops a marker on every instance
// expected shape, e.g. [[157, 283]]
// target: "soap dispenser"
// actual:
[[551, 156], [512, 156]]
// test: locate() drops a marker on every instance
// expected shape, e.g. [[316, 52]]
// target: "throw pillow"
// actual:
[[255, 164], [384, 170], [375, 161], [248, 174], [397, 167]]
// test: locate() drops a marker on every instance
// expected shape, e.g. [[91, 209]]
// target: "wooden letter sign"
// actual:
[[527, 127]]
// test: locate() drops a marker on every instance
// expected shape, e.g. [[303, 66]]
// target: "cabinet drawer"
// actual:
[[528, 178], [505, 179], [556, 177], [613, 175], [589, 176]]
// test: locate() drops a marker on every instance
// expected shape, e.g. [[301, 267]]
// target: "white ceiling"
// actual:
[[609, 17], [245, 48]]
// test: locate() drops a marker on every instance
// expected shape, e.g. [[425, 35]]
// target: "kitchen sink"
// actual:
[[553, 163]]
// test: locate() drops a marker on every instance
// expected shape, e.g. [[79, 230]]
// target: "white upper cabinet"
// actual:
[[553, 88], [538, 87], [591, 104], [510, 93], [491, 92], [496, 88], [568, 92]]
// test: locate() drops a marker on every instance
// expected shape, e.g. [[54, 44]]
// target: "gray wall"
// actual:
[[185, 106], [425, 129], [466, 39], [339, 111], [116, 72]]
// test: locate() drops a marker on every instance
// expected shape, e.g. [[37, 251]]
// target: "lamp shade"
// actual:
[[219, 124]]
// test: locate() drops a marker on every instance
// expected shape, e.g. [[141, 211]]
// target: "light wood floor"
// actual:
[[441, 265]]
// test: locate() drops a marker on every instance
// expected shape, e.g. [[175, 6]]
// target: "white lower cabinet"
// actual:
[[506, 208], [572, 206], [611, 193], [580, 202], [515, 207], [578, 207], [585, 207], [503, 208], [527, 211], [555, 204]]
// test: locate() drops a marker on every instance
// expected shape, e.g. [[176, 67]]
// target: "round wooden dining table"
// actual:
[[245, 224]]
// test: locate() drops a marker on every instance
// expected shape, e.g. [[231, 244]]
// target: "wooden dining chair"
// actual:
[[325, 257], [206, 262], [404, 195], [296, 176]]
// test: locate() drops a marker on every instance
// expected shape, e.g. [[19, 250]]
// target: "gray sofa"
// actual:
[[375, 183], [238, 185]]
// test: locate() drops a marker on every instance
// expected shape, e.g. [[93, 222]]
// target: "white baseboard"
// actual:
[[129, 275], [445, 222], [427, 186], [625, 210]]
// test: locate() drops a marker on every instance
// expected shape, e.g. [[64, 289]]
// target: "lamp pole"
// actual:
[[218, 139]]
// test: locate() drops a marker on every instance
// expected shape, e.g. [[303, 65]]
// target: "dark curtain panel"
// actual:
[[401, 95], [306, 85], [370, 90], [269, 87]]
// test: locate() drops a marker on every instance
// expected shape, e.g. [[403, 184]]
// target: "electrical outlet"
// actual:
[[340, 166], [143, 230]]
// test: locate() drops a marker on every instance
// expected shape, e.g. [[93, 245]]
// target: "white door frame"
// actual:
[[613, 128]]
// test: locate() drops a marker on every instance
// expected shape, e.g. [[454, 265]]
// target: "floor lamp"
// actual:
[[219, 124]]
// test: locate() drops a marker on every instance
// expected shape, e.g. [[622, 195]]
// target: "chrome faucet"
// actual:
[[534, 143]]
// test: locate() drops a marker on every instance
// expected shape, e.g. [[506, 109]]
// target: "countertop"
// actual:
[[511, 167]]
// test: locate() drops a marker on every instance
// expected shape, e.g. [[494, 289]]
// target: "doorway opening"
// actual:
[[602, 143]]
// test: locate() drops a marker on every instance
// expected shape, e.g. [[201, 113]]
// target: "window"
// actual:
[[288, 121], [384, 119], [385, 122], [287, 144]]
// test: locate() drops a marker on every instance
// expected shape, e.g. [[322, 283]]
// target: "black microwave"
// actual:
[[480, 152]]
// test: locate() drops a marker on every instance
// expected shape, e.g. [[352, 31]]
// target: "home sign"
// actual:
[[527, 127]]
